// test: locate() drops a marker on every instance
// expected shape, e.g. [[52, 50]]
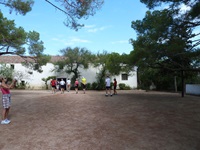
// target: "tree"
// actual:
[[19, 6], [47, 79], [16, 41], [6, 71], [166, 38], [112, 64], [73, 9], [73, 59], [76, 10]]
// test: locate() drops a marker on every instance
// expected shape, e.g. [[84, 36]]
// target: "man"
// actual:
[[83, 83], [108, 85]]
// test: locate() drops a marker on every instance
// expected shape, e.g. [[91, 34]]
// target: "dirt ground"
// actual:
[[131, 120]]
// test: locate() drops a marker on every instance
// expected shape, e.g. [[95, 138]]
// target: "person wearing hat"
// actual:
[[6, 98]]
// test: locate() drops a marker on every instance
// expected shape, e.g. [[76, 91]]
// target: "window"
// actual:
[[124, 76], [12, 66]]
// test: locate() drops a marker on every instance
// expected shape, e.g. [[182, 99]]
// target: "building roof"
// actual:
[[18, 59]]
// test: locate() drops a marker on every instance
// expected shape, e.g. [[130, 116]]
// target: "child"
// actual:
[[6, 98], [115, 86]]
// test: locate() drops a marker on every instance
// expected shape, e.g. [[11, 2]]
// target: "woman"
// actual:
[[76, 86], [6, 98]]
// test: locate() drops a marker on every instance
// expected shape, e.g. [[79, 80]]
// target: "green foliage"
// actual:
[[88, 86], [6, 71], [47, 79], [22, 85], [73, 9], [165, 44], [73, 59], [123, 86], [16, 41], [94, 85], [19, 6], [100, 77]]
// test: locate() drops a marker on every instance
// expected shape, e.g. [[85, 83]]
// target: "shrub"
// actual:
[[94, 86], [123, 86]]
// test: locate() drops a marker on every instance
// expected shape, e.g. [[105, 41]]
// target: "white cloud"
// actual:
[[69, 41], [94, 29], [184, 8]]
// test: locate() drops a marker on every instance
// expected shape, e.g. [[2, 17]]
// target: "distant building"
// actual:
[[34, 79]]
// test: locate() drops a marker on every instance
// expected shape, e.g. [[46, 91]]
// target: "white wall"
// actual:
[[35, 79], [193, 89]]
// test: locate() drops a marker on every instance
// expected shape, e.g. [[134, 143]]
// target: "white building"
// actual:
[[34, 78]]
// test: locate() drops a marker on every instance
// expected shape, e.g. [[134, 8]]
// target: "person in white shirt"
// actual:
[[108, 85], [62, 86], [68, 84]]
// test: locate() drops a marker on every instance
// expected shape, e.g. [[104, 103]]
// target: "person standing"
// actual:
[[62, 86], [53, 86], [83, 84], [68, 84], [108, 85], [58, 85], [115, 86], [76, 85], [6, 98]]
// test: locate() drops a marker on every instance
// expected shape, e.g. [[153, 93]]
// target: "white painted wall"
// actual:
[[193, 89], [35, 80]]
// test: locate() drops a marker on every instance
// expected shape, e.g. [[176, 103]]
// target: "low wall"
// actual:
[[193, 89]]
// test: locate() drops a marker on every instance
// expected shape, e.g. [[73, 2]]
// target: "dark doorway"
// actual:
[[65, 79]]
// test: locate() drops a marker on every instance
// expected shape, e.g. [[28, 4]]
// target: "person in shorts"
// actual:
[[53, 85], [68, 84], [62, 86], [76, 86], [108, 85], [6, 98], [83, 84]]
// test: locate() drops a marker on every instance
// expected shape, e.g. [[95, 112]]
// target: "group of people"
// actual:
[[61, 85], [6, 96], [108, 86]]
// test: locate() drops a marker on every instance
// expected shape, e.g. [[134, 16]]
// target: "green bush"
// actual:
[[88, 86], [123, 86], [94, 86]]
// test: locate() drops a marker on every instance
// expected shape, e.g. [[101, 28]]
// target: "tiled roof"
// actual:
[[18, 59]]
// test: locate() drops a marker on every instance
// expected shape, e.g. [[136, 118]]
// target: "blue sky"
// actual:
[[109, 29]]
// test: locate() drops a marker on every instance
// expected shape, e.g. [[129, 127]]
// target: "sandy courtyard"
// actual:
[[131, 120]]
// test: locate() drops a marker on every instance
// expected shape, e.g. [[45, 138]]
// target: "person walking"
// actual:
[[76, 85], [108, 85], [83, 84], [6, 98], [62, 86], [53, 86], [68, 84], [115, 86], [57, 85]]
